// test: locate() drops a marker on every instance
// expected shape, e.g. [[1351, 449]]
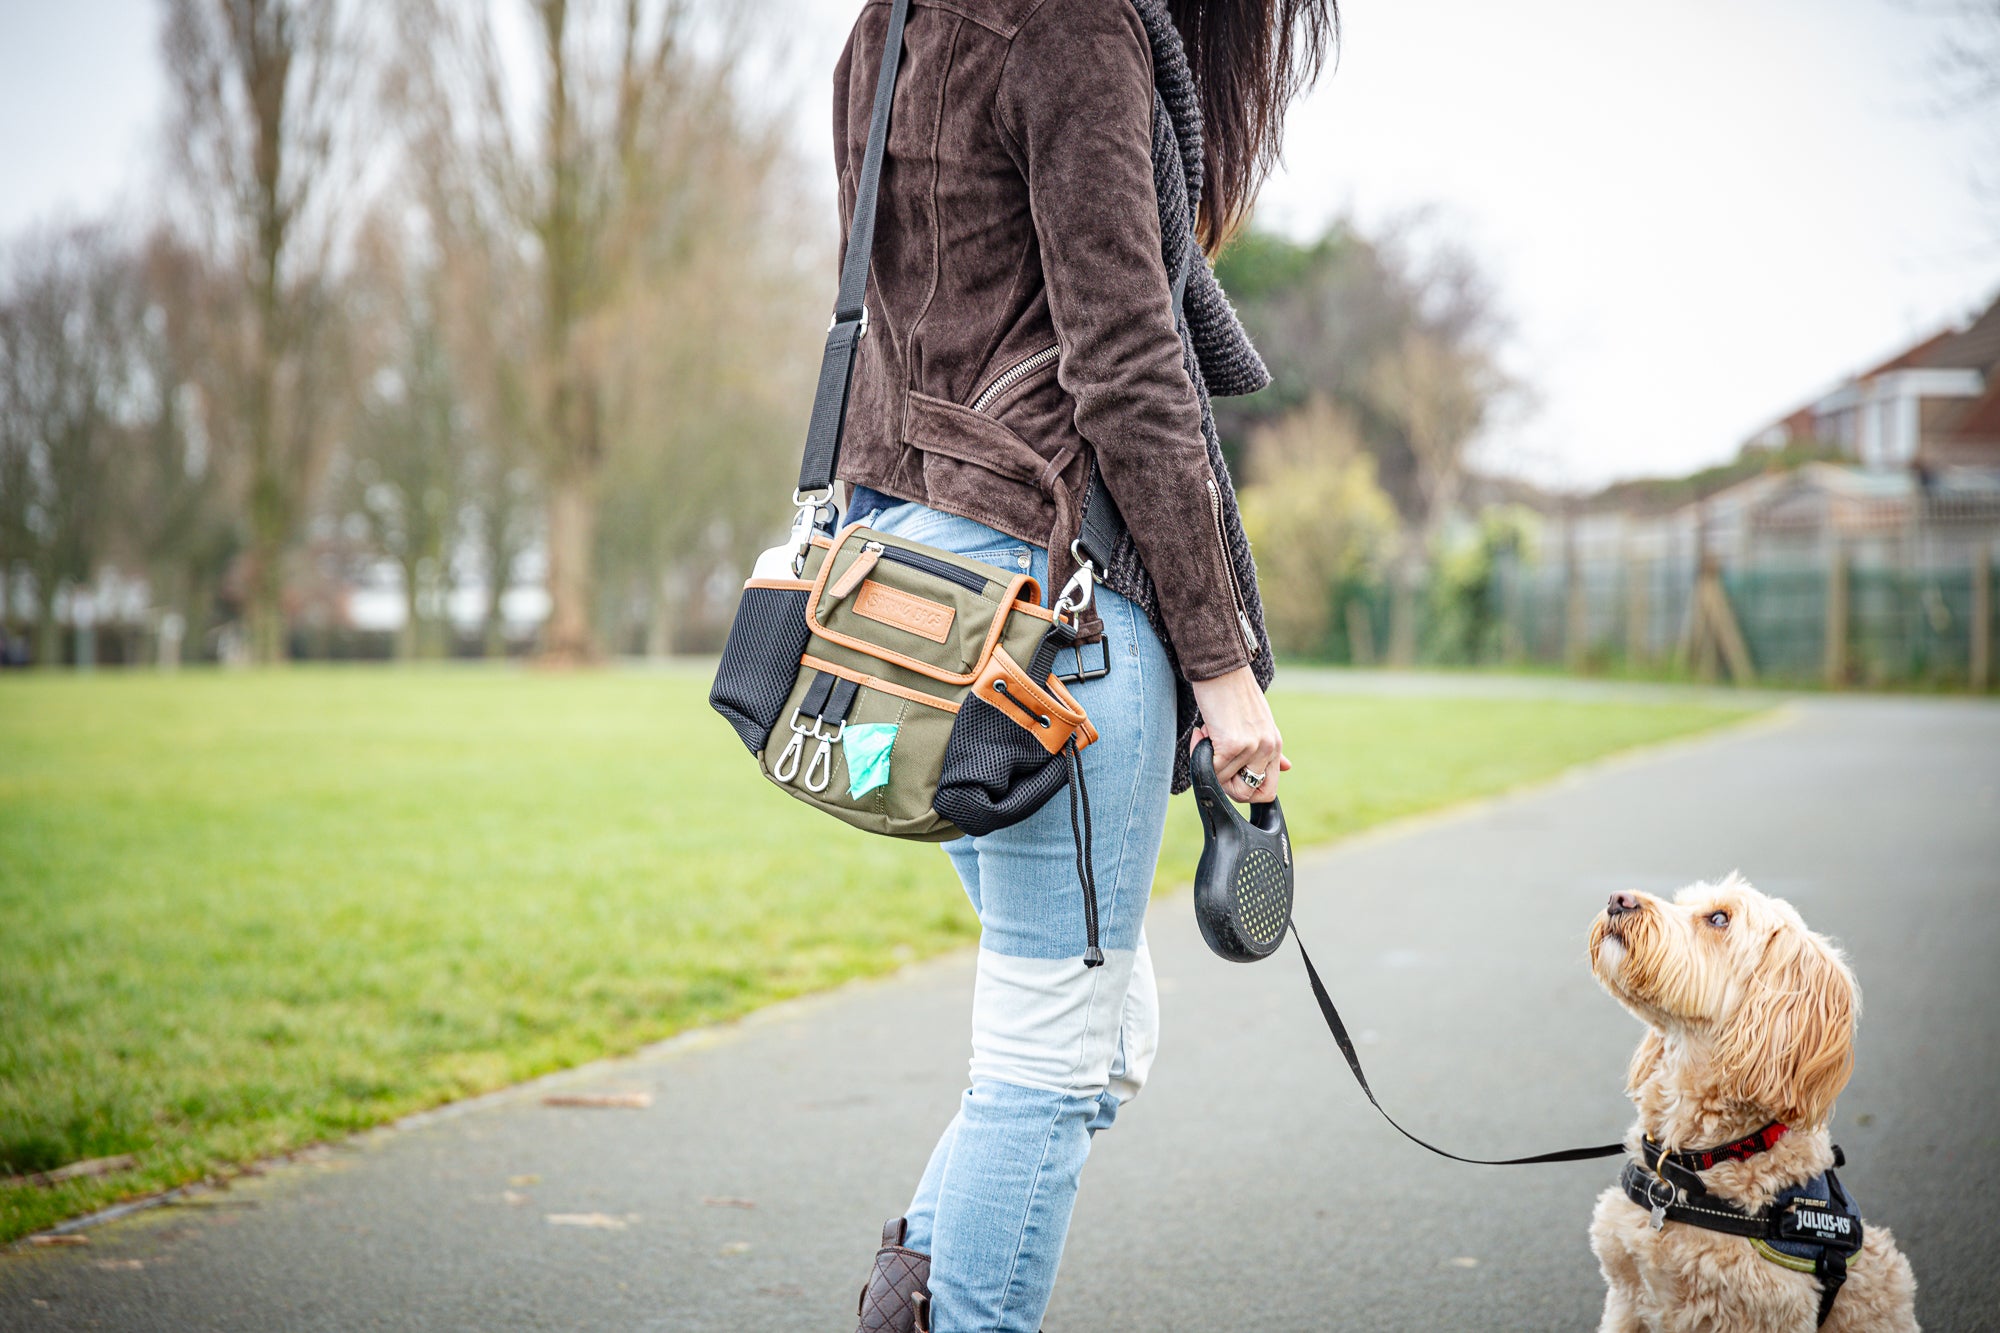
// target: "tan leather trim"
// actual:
[[1020, 695], [789, 585], [876, 683], [859, 570], [1009, 599], [1087, 733], [905, 611]]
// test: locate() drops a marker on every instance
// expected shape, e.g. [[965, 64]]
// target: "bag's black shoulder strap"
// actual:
[[1339, 1030], [850, 307]]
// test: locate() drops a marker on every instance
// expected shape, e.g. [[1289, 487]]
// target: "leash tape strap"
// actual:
[[850, 308], [1346, 1044]]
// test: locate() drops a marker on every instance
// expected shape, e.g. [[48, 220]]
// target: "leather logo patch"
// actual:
[[906, 611]]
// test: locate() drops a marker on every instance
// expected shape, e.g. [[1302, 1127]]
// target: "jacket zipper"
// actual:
[[1013, 375], [1229, 567]]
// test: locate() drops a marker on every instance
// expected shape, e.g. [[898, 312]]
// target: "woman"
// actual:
[[1048, 161]]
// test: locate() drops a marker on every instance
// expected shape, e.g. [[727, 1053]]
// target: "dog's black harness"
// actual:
[[1812, 1227]]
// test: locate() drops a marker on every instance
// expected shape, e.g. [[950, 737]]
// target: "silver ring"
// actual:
[[1251, 780]]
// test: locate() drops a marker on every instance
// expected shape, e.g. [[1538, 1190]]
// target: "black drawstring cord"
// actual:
[[1086, 872]]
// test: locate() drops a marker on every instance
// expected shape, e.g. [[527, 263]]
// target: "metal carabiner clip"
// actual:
[[819, 772], [815, 511], [787, 766], [1075, 596]]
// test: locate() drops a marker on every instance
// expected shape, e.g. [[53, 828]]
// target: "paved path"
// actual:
[[1250, 1187]]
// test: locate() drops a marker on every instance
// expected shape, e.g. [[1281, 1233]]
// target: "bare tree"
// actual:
[[63, 375], [405, 466], [1402, 330], [483, 299], [176, 520], [1436, 395], [263, 94], [633, 174], [1970, 61]]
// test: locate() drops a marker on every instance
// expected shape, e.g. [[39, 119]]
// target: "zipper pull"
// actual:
[[871, 552], [1249, 630]]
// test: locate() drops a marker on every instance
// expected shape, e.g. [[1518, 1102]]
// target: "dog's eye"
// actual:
[[1718, 919]]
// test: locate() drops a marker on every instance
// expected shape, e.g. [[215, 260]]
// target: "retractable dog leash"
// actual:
[[1243, 904], [1243, 886]]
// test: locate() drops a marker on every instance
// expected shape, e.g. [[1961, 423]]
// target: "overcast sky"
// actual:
[[1698, 213]]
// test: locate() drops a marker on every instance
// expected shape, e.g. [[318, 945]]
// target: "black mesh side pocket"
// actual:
[[995, 773], [761, 661]]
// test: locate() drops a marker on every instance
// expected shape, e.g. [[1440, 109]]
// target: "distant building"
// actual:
[[1933, 405]]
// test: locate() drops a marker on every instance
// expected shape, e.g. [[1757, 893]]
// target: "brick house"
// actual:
[[1934, 405]]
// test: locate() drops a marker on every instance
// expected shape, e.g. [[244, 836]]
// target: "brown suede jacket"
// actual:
[[1020, 318]]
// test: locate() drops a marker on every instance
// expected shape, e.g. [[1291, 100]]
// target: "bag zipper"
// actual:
[[874, 551], [1229, 567], [1013, 375]]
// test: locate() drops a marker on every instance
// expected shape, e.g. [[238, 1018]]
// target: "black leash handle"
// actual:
[[1346, 1043]]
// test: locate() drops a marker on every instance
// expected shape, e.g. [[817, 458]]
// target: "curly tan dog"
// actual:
[[1750, 1023]]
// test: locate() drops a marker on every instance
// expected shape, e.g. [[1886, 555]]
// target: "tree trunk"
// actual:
[[492, 622], [659, 617], [48, 632], [269, 528], [409, 641], [566, 639], [1403, 602], [493, 629]]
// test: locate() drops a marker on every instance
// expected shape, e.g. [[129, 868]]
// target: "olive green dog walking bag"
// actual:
[[904, 689]]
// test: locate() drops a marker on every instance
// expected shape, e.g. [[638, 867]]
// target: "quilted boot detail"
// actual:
[[897, 1288]]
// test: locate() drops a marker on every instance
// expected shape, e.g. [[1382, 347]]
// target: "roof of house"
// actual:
[[1916, 354], [1976, 347]]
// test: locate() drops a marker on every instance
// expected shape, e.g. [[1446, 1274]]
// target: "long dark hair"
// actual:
[[1250, 59]]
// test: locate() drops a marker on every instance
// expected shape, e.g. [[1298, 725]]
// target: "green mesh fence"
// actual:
[[1904, 627]]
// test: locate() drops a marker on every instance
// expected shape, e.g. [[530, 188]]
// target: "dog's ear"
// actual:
[[1644, 1061], [1789, 1047]]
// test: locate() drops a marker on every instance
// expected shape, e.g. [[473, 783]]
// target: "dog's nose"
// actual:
[[1621, 903]]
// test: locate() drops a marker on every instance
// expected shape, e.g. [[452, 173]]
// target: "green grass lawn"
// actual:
[[243, 912]]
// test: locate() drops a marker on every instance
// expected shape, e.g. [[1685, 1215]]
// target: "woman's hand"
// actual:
[[1237, 720]]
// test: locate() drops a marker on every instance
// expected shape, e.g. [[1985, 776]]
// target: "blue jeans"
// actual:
[[1056, 1047]]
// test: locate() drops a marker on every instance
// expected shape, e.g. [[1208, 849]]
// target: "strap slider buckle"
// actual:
[[1088, 670], [860, 333]]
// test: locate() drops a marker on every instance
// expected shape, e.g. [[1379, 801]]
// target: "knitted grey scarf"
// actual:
[[1218, 353]]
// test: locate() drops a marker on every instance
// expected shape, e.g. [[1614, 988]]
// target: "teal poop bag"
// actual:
[[868, 745]]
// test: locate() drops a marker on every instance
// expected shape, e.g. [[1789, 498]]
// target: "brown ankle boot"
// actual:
[[896, 1299]]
